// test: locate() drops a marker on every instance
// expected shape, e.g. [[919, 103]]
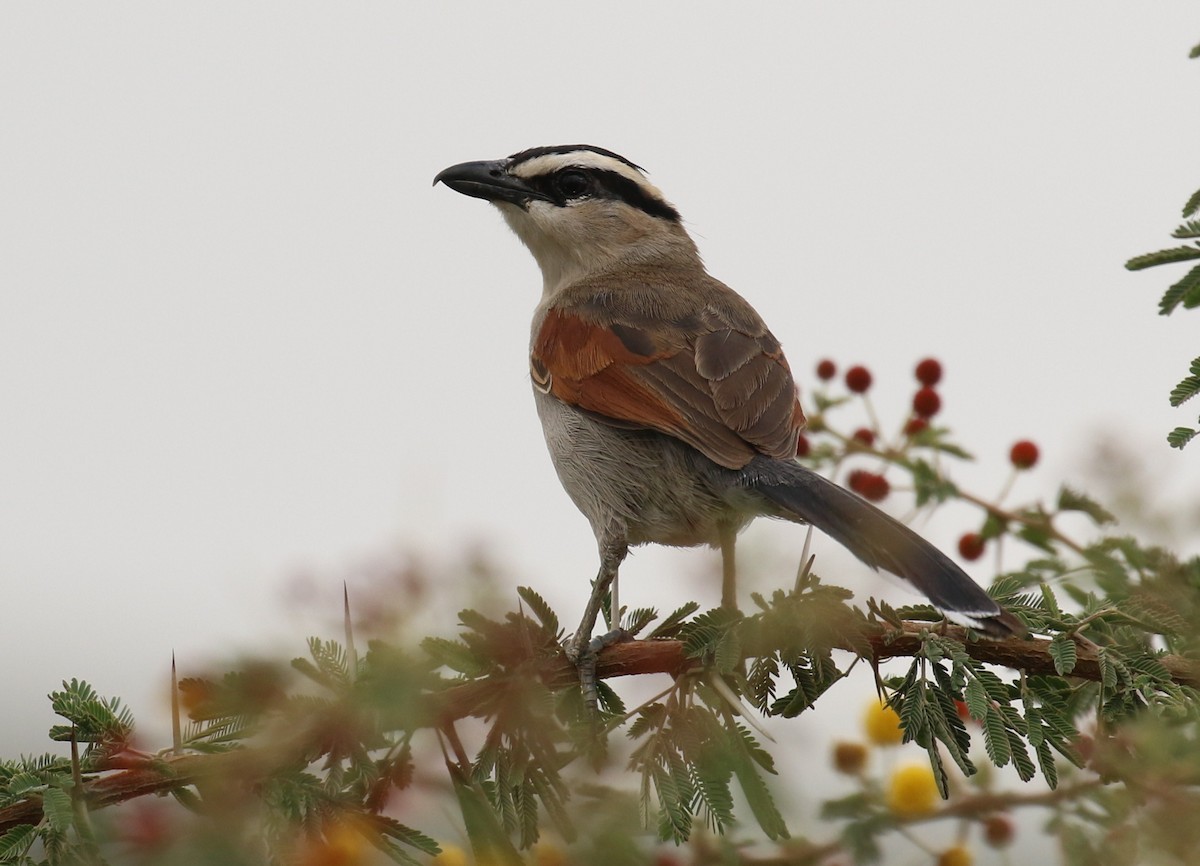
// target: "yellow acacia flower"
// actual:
[[451, 855], [912, 790], [882, 725], [341, 844], [549, 854], [959, 855]]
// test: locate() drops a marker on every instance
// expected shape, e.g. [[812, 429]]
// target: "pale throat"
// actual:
[[566, 254], [563, 260]]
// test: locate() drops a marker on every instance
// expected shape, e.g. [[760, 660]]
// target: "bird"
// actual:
[[669, 410]]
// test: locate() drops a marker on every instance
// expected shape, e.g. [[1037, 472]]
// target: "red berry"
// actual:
[[999, 830], [970, 546], [926, 402], [826, 369], [915, 426], [858, 379], [929, 372], [1085, 745], [869, 485], [803, 446], [1024, 454], [865, 436]]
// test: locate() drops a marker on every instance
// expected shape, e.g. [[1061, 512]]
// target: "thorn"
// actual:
[[737, 705], [351, 652], [880, 690], [176, 735], [806, 559]]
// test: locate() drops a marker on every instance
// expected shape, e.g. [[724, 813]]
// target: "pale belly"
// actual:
[[640, 485]]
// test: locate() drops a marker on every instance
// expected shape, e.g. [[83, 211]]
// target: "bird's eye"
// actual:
[[572, 184]]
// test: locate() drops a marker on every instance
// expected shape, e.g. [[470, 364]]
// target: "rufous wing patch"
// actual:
[[727, 394]]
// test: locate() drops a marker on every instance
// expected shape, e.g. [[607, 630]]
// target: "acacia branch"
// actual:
[[632, 658]]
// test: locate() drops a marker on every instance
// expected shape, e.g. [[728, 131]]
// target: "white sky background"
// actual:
[[241, 337]]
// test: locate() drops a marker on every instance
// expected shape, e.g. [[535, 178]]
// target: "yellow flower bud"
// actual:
[[849, 758]]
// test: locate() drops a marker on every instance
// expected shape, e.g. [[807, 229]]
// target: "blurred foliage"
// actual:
[[334, 758]]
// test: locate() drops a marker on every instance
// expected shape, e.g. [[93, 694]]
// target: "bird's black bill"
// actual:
[[489, 181]]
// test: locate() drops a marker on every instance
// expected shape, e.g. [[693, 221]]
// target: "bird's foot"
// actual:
[[584, 656]]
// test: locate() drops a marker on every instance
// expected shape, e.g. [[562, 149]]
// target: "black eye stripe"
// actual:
[[608, 185]]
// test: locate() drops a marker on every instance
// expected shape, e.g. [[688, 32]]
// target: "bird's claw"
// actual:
[[584, 657]]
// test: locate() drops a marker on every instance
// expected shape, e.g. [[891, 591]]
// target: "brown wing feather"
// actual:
[[728, 394]]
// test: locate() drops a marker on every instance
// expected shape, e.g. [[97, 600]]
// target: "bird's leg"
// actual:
[[727, 538], [614, 604], [581, 648]]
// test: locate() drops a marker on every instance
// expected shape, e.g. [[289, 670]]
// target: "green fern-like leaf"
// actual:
[[1155, 615], [406, 835], [1108, 671], [711, 784], [1050, 602], [1073, 500], [949, 729], [669, 627], [92, 717], [709, 635], [811, 682], [746, 767], [22, 782], [1190, 229], [1185, 292], [976, 699], [527, 810], [675, 816], [1193, 203], [651, 717], [1020, 756], [330, 658], [909, 703], [455, 655], [393, 851], [610, 701], [639, 618], [1163, 257], [1063, 652], [15, 843], [1046, 763], [1185, 390], [947, 693], [56, 805], [552, 794], [544, 613], [1181, 436], [995, 738], [761, 681]]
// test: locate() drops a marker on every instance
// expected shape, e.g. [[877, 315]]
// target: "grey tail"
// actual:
[[880, 541]]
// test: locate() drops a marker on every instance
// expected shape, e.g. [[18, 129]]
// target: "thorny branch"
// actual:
[[139, 777]]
